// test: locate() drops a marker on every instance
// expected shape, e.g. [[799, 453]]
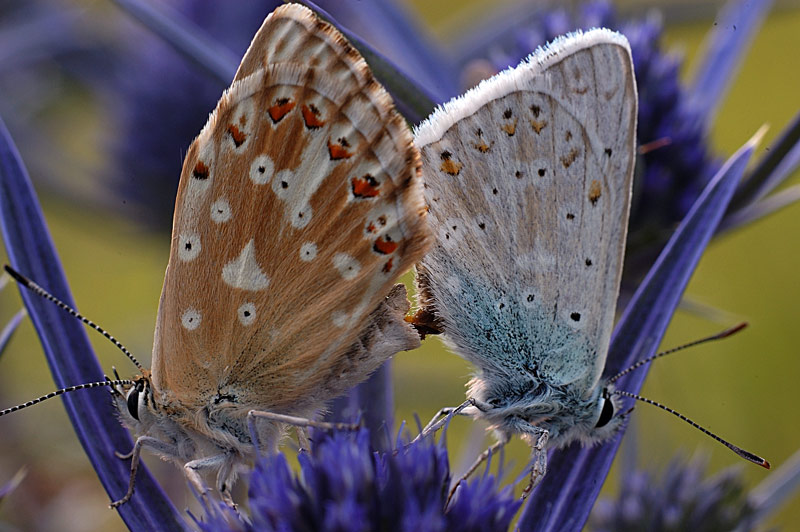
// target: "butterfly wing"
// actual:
[[528, 179], [299, 205]]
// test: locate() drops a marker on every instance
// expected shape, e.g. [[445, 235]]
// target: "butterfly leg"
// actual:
[[142, 441], [478, 461], [302, 422], [538, 455], [226, 477], [221, 462], [124, 456], [303, 440], [444, 415]]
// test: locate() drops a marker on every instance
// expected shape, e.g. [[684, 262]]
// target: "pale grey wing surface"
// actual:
[[528, 182]]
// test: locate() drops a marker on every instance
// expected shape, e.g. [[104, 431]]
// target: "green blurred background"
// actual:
[[741, 388]]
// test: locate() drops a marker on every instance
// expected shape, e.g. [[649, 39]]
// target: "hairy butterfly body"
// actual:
[[528, 182], [299, 205]]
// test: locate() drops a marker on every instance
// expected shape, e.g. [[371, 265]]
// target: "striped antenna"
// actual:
[[38, 290], [718, 336], [735, 448], [724, 334], [86, 386]]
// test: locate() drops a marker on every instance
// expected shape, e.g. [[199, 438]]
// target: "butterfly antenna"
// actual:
[[738, 450], [718, 336], [36, 289], [68, 389]]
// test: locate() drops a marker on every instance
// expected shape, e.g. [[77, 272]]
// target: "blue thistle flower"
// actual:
[[345, 485], [684, 498]]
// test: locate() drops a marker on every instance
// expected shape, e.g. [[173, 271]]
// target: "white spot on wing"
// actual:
[[247, 314], [283, 184], [302, 217], [188, 246], [296, 186], [191, 319], [347, 266], [308, 252], [261, 170], [339, 318], [221, 211], [244, 272]]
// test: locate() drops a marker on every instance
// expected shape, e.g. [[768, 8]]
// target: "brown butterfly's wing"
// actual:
[[299, 205]]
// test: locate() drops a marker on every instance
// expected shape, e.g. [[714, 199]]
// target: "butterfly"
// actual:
[[299, 205], [528, 180]]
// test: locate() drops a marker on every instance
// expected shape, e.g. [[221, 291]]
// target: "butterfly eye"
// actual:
[[606, 414], [133, 400]]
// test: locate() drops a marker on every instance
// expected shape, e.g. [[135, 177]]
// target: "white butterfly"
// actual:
[[528, 181]]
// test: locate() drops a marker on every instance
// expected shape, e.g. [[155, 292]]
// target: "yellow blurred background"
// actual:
[[741, 388]]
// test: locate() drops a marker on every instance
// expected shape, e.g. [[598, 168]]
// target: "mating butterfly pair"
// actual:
[[301, 202]]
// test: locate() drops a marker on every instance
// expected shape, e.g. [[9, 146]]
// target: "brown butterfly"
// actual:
[[299, 206]]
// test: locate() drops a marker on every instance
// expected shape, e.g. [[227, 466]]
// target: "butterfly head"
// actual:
[[136, 405], [604, 419], [564, 413]]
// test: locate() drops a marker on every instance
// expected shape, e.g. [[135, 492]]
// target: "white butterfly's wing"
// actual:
[[528, 180], [299, 206]]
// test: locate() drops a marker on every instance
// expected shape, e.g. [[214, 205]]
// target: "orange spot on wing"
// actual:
[[594, 191], [365, 187], [201, 171], [538, 125], [384, 246], [569, 158], [339, 150], [311, 117], [510, 128], [451, 167], [280, 109], [448, 164], [371, 228], [388, 266], [237, 135]]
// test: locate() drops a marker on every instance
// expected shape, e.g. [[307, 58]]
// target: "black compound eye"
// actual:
[[133, 400], [606, 414]]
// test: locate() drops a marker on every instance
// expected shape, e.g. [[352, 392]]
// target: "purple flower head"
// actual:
[[345, 485], [684, 498]]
